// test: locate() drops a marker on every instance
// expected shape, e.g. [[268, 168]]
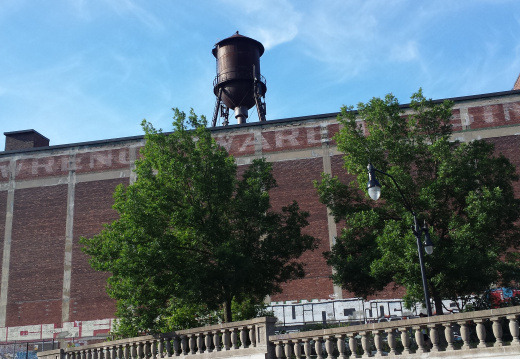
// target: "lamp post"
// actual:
[[374, 191]]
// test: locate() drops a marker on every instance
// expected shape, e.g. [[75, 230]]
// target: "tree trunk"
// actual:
[[438, 305], [227, 311]]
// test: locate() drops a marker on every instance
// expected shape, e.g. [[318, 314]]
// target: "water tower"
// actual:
[[239, 84]]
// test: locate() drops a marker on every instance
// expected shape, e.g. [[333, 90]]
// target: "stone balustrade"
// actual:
[[245, 339], [406, 338], [254, 339]]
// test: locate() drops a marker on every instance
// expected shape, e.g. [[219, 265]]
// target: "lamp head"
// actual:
[[373, 186]]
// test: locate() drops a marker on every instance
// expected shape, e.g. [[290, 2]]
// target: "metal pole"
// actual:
[[417, 231]]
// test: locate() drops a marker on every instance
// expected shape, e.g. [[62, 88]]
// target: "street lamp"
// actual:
[[374, 191]]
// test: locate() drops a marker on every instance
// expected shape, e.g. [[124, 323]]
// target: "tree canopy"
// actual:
[[192, 234], [463, 191]]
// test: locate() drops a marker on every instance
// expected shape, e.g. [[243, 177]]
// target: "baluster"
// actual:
[[134, 350], [279, 350], [464, 333], [329, 347], [481, 333], [497, 331], [216, 340], [307, 348], [234, 338], [100, 352], [390, 337], [208, 341], [378, 342], [200, 343], [193, 344], [160, 348], [140, 350], [147, 349], [318, 348], [405, 339], [243, 337], [155, 349], [119, 352], [126, 351], [341, 346], [184, 344], [365, 344], [297, 349], [435, 337], [419, 339], [252, 335], [82, 354], [353, 345], [113, 352], [176, 346], [288, 348], [226, 338], [513, 328], [448, 334], [89, 352]]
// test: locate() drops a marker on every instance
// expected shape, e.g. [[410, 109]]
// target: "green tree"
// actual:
[[463, 191], [191, 235]]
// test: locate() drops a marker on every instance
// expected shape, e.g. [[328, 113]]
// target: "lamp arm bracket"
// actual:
[[407, 204]]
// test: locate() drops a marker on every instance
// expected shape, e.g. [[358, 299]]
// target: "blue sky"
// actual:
[[84, 70]]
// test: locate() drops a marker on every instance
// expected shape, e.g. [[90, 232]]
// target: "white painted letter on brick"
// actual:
[[283, 138]]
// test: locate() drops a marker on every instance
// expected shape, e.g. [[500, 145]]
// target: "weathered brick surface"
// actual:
[[333, 129], [294, 179], [89, 300], [4, 171], [95, 161], [486, 116], [243, 144], [456, 120], [37, 255], [41, 167], [102, 160], [493, 115]]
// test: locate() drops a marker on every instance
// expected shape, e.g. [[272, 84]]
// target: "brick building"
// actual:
[[50, 196]]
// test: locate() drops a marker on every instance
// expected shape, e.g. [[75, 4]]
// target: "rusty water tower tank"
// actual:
[[238, 84]]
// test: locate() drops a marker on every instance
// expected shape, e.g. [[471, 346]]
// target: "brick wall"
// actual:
[[36, 270], [88, 297], [294, 179], [74, 184]]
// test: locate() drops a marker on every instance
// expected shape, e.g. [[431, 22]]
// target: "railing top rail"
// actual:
[[416, 322], [149, 338]]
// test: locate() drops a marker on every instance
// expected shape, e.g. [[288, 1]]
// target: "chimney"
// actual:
[[19, 140]]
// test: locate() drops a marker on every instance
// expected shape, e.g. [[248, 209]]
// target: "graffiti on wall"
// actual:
[[77, 329]]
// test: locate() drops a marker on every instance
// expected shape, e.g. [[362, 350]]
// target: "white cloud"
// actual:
[[272, 22], [122, 7], [405, 52]]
